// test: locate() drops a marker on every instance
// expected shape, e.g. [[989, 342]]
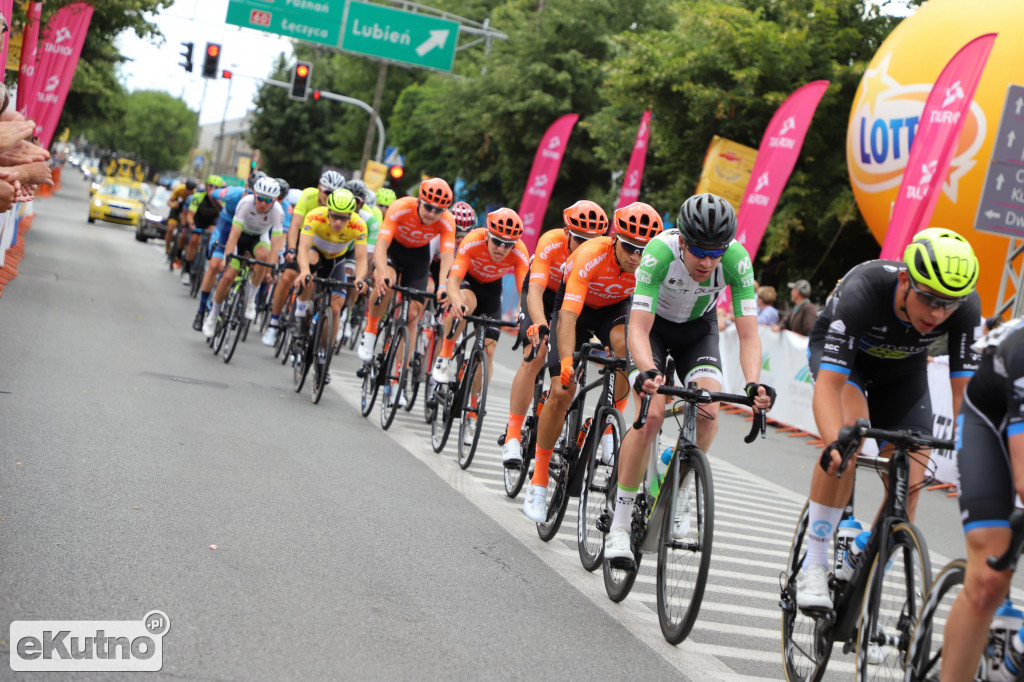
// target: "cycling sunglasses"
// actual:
[[578, 238], [630, 249], [933, 301], [705, 253], [430, 208], [265, 200], [500, 243], [338, 216]]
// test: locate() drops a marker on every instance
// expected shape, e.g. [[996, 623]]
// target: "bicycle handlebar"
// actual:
[[850, 437], [250, 260], [1009, 558], [700, 396], [597, 355]]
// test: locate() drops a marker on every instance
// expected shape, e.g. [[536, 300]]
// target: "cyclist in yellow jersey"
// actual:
[[177, 201], [311, 198]]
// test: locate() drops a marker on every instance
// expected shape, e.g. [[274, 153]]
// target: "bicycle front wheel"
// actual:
[[806, 641], [618, 581], [892, 603], [302, 349], [515, 477], [684, 546], [472, 416], [559, 473], [233, 326], [198, 270], [323, 342], [444, 402], [594, 495], [393, 377], [924, 659]]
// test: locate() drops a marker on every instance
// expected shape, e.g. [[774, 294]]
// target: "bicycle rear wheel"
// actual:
[[371, 375], [472, 418], [302, 351], [594, 495], [444, 399], [924, 659], [559, 473], [429, 400], [684, 546], [323, 344], [233, 327], [413, 379], [892, 603], [617, 581], [393, 377], [806, 641], [198, 270], [284, 329]]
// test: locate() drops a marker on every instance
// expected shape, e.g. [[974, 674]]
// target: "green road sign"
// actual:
[[414, 39], [316, 21]]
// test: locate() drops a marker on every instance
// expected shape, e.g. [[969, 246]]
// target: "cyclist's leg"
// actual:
[[216, 264]]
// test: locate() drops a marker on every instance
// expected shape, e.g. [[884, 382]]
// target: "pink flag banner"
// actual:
[[542, 178], [935, 144], [6, 9], [29, 41], [779, 150], [634, 174], [59, 52]]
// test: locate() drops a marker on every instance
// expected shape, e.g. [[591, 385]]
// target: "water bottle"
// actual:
[[849, 529], [1004, 637], [660, 469]]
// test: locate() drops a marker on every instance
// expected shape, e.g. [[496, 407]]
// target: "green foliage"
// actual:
[[155, 127]]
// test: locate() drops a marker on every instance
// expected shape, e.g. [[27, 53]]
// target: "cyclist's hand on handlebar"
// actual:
[[380, 284], [648, 382], [442, 294], [831, 458], [566, 375], [360, 286], [289, 255], [763, 395], [458, 311], [535, 332]]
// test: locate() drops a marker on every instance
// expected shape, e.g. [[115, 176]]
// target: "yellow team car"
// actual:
[[118, 201]]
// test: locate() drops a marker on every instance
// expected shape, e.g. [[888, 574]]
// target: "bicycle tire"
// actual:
[[515, 477], [302, 348], [429, 400], [924, 657], [559, 474], [393, 377], [444, 398], [371, 374], [594, 494], [340, 331], [323, 344], [477, 366], [619, 581], [358, 324], [198, 270], [284, 325], [890, 627], [806, 641], [413, 379], [234, 325], [219, 331], [685, 556]]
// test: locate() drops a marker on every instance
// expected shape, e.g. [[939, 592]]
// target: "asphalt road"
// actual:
[[128, 451]]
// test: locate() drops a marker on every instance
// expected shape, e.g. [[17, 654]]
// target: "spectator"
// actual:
[[801, 316], [767, 313]]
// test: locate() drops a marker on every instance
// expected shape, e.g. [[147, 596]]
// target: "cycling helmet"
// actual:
[[266, 187], [190, 184], [341, 201], [386, 197], [214, 181], [359, 190], [437, 192], [285, 187], [465, 216], [586, 219], [637, 223], [253, 177], [942, 260], [707, 221], [332, 180], [504, 224]]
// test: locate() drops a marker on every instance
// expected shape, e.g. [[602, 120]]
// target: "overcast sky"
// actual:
[[248, 54]]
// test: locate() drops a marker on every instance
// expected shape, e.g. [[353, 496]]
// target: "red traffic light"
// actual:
[[396, 172], [302, 70], [225, 74], [316, 94], [213, 50]]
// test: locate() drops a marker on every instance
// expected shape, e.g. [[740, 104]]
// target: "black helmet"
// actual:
[[285, 187], [253, 177], [707, 221], [190, 184]]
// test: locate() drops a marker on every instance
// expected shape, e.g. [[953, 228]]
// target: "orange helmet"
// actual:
[[637, 223], [505, 224], [437, 192], [586, 219]]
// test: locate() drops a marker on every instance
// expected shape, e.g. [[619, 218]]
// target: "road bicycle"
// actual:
[[198, 267], [515, 474], [674, 518], [231, 322], [875, 610], [467, 395], [924, 658], [312, 346]]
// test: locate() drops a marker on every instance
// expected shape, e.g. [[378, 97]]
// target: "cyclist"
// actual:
[[199, 215], [683, 273], [330, 235], [177, 201], [258, 218], [311, 198], [583, 221], [403, 248], [385, 197], [868, 354], [990, 442], [593, 300], [363, 196]]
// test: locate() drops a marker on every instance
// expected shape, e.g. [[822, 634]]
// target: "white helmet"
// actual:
[[266, 187], [332, 180]]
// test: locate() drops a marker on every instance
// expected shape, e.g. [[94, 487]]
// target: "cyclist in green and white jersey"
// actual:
[[682, 274]]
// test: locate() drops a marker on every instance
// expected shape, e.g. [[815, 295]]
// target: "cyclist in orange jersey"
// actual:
[[583, 221], [594, 299], [403, 250]]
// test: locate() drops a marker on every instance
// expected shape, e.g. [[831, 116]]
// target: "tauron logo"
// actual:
[[89, 645]]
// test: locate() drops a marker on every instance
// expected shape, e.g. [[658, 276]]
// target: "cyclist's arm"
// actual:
[[958, 385], [380, 255], [566, 332], [535, 303], [828, 408], [455, 293], [302, 254], [362, 267]]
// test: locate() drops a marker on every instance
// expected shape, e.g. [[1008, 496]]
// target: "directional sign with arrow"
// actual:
[[1001, 207], [411, 38]]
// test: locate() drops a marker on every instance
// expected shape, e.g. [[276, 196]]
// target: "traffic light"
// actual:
[[316, 95], [210, 60], [300, 81], [187, 54], [225, 74], [396, 172]]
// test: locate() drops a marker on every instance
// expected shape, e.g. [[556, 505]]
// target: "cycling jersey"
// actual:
[[252, 222], [594, 277], [665, 288], [550, 255], [372, 226], [204, 210], [228, 198], [402, 224], [328, 242], [859, 320], [308, 200], [997, 389], [474, 259]]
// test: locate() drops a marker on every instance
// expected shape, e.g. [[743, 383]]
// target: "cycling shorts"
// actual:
[[412, 265], [247, 243], [987, 493], [333, 268], [896, 390], [525, 321], [220, 237], [488, 301], [693, 345], [597, 322]]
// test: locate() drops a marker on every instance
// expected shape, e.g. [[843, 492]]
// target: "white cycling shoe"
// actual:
[[535, 506]]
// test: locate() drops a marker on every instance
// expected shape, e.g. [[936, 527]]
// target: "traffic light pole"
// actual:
[[218, 163]]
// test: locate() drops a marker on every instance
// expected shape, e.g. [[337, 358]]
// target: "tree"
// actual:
[[156, 127]]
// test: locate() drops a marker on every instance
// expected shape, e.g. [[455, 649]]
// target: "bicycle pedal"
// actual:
[[623, 564], [361, 372], [604, 522]]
